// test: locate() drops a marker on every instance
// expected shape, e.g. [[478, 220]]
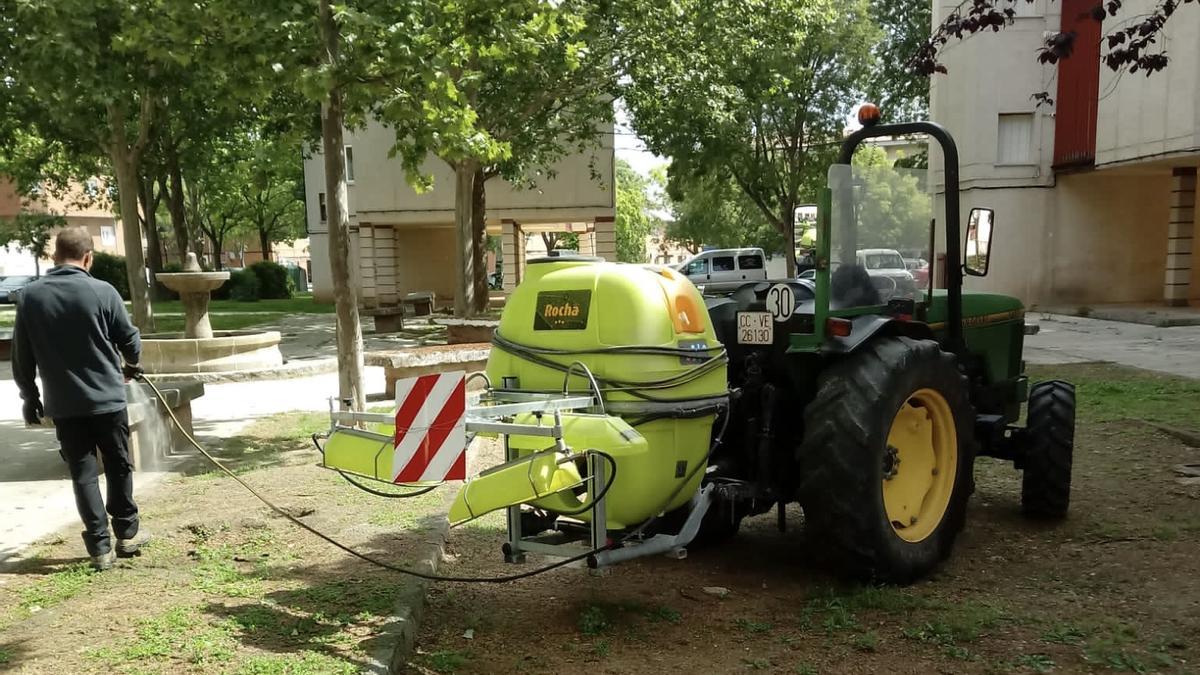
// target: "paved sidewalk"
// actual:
[[35, 490], [1070, 339]]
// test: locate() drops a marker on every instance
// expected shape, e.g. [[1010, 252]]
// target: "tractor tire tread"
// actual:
[[1050, 443], [839, 433]]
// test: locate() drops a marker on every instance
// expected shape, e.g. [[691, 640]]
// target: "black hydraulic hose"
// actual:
[[388, 495], [343, 547]]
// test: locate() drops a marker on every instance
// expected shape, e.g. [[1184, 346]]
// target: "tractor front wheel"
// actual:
[[1049, 447], [888, 454]]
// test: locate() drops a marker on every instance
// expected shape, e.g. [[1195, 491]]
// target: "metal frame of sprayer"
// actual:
[[487, 412]]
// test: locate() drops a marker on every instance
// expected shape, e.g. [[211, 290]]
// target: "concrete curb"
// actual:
[[399, 635], [1188, 438], [292, 369]]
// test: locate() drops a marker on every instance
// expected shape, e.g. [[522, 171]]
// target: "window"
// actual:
[[349, 165], [321, 206], [697, 267], [723, 264], [1014, 138], [750, 262], [108, 235]]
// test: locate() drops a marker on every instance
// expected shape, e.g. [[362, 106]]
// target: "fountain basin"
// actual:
[[192, 282], [226, 351]]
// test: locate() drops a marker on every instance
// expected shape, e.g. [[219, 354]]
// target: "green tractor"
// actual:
[[639, 417], [878, 395]]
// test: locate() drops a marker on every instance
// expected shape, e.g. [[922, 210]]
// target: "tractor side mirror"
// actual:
[[978, 247]]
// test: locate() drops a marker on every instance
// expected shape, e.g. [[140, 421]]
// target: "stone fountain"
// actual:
[[199, 349], [194, 287]]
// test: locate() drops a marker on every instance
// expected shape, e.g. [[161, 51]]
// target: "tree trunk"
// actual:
[[789, 243], [135, 263], [464, 238], [218, 257], [154, 257], [549, 240], [479, 228], [175, 205], [349, 330], [264, 243]]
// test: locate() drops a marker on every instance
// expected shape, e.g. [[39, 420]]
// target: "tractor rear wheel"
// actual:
[[1049, 447], [888, 455]]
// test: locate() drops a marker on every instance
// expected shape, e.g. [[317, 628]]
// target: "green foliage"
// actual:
[[111, 268], [634, 222], [753, 91], [901, 92], [243, 286], [274, 282], [57, 587], [894, 210], [711, 211]]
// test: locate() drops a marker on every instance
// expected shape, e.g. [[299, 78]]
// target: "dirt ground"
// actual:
[[226, 586], [1114, 587]]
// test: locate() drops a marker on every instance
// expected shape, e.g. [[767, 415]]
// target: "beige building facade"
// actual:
[[402, 241], [1094, 195], [83, 206]]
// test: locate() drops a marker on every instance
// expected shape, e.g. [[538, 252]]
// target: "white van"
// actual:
[[725, 269]]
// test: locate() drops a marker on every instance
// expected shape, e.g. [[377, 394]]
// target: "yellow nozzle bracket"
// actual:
[[519, 481]]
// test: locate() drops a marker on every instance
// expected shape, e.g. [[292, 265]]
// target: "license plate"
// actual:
[[755, 328]]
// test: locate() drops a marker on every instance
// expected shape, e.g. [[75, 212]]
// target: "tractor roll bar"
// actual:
[[954, 278]]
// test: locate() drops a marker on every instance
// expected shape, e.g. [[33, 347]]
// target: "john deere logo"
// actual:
[[562, 310]]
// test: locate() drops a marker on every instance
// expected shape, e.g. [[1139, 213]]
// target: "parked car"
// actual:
[[11, 286], [919, 269], [886, 263], [725, 269]]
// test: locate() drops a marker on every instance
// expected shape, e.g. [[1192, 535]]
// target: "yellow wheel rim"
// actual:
[[919, 465]]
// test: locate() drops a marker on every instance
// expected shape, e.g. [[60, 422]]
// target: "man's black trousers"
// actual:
[[81, 438]]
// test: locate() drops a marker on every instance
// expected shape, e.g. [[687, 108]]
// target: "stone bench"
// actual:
[[153, 437], [400, 364], [387, 319], [467, 331]]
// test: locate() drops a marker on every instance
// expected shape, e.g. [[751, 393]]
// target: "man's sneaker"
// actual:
[[133, 545], [104, 561]]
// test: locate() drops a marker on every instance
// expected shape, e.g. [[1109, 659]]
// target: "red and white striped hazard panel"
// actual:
[[431, 428]]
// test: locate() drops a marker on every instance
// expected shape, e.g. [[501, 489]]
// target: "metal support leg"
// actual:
[[512, 548]]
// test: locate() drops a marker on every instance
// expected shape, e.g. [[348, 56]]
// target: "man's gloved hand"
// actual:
[[132, 371], [33, 412]]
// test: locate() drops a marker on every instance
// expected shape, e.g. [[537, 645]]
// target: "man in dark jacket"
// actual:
[[69, 329]]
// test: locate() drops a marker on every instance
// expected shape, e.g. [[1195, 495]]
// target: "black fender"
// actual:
[[863, 328]]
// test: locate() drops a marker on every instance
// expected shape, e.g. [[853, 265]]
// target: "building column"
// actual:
[[1180, 230], [587, 243], [512, 243], [605, 237], [368, 294]]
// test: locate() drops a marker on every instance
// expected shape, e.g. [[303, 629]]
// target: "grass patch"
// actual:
[[175, 324], [1106, 393], [56, 587], [5, 656], [446, 661], [662, 613], [218, 574], [304, 663], [593, 620], [866, 642], [178, 633], [752, 627], [1038, 663], [1117, 646], [1064, 634], [955, 626]]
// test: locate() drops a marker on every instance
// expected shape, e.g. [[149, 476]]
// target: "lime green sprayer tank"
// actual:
[[600, 314]]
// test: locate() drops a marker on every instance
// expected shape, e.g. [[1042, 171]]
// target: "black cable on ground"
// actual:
[[343, 547]]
